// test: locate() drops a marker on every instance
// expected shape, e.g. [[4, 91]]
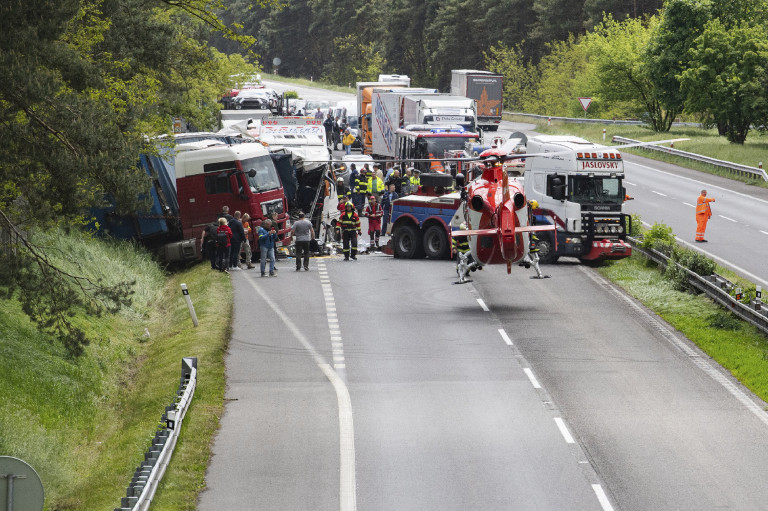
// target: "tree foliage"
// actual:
[[728, 77], [84, 83]]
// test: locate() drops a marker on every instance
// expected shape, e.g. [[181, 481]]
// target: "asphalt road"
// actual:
[[381, 384]]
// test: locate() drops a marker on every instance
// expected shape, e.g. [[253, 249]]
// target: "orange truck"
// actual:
[[365, 108]]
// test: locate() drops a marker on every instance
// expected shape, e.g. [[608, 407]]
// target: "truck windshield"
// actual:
[[266, 176], [435, 147], [595, 190]]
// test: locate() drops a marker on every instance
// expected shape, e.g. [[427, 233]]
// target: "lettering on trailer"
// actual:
[[449, 118], [292, 121], [382, 120], [599, 165]]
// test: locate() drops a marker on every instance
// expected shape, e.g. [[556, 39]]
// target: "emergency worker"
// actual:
[[375, 184], [341, 189], [532, 257], [362, 189], [703, 213], [387, 199], [350, 228], [374, 212]]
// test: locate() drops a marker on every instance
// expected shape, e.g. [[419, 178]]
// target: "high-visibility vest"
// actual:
[[702, 206], [461, 244], [414, 181], [375, 185]]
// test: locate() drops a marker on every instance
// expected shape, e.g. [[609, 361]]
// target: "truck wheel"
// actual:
[[546, 250], [436, 179], [435, 242], [407, 243]]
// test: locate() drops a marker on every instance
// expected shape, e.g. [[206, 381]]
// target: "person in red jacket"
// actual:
[[223, 245], [374, 213], [703, 213]]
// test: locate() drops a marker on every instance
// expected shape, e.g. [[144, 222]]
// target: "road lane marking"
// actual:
[[729, 219], [766, 233], [347, 469], [564, 431], [738, 269], [531, 377], [483, 305], [628, 183], [670, 336], [602, 498], [707, 185], [505, 337], [687, 204], [658, 193]]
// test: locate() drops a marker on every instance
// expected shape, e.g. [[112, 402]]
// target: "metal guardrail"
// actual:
[[578, 120], [145, 480], [742, 170], [716, 287]]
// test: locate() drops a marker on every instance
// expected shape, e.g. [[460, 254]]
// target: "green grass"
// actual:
[[84, 424], [705, 142], [736, 345], [311, 83]]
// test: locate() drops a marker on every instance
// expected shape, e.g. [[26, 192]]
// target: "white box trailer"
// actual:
[[387, 117], [439, 110]]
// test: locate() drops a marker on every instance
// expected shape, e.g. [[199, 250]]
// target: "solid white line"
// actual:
[[766, 233], [602, 498], [628, 183], [724, 262], [483, 305], [339, 366], [505, 337], [347, 476], [671, 337], [564, 431], [531, 377], [707, 185], [691, 205], [658, 193], [731, 219]]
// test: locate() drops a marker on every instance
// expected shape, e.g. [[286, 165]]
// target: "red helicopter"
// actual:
[[496, 213]]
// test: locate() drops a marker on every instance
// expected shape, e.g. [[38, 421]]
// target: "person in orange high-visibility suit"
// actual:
[[703, 212]]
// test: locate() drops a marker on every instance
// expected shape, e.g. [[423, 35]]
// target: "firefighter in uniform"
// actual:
[[374, 212], [703, 213], [464, 260], [350, 228], [361, 189], [532, 257]]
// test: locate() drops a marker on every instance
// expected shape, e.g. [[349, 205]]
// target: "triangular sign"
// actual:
[[585, 102]]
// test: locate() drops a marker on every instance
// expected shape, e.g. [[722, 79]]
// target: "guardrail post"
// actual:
[[603, 134], [191, 307], [758, 298], [549, 121]]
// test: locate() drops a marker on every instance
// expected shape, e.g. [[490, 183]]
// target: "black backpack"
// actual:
[[221, 239]]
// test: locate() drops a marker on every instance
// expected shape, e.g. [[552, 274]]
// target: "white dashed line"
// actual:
[[766, 233], [729, 219], [531, 377], [628, 183], [505, 337], [483, 305], [564, 430], [658, 193], [689, 205], [602, 498]]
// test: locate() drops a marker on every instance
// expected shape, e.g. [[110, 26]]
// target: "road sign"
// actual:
[[585, 102], [20, 486]]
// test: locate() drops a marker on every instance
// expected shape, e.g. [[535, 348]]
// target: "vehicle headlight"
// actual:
[[620, 230]]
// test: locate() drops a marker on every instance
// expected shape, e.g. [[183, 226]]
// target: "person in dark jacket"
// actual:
[[238, 237], [208, 243], [386, 205], [225, 213], [267, 242], [328, 125]]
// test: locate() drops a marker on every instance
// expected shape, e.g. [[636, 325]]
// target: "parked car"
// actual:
[[252, 99]]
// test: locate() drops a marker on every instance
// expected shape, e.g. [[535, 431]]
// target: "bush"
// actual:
[[659, 237], [636, 229], [291, 94], [690, 259], [724, 320]]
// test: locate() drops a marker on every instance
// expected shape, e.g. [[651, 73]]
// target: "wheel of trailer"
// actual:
[[546, 249], [435, 242], [407, 242]]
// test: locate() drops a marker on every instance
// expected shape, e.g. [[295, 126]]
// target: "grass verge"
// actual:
[[736, 345], [705, 142], [311, 83], [85, 423]]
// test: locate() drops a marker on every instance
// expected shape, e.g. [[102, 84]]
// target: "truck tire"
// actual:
[[436, 242], [436, 179], [546, 249], [407, 242]]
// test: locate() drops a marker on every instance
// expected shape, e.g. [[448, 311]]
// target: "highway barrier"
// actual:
[[584, 120], [145, 480], [716, 287], [736, 168]]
